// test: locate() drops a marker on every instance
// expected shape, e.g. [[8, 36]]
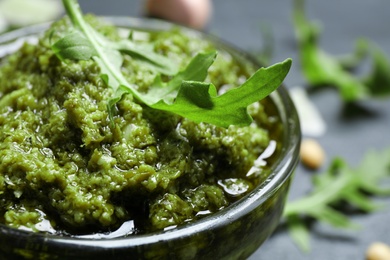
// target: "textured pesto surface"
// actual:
[[61, 160]]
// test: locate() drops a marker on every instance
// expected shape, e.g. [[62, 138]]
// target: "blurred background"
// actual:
[[265, 29]]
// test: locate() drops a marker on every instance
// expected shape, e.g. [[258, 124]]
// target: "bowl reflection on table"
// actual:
[[234, 232]]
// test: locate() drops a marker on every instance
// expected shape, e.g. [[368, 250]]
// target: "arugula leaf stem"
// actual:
[[73, 9]]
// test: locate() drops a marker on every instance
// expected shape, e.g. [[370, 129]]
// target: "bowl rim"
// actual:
[[281, 169]]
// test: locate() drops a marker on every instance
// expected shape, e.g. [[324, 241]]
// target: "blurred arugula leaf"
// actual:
[[378, 81], [323, 69], [264, 55], [339, 184]]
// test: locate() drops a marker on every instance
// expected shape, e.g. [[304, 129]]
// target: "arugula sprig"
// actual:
[[323, 69], [186, 94], [339, 184]]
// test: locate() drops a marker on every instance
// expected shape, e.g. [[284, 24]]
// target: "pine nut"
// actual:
[[311, 153], [378, 251]]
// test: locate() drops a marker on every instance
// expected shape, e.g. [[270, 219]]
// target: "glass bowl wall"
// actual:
[[233, 233]]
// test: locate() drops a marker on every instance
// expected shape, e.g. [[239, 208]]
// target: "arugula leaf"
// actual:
[[74, 45], [379, 79], [371, 171], [352, 60], [319, 67], [196, 70], [90, 45], [199, 101], [143, 52], [186, 94], [339, 184], [323, 69], [299, 232]]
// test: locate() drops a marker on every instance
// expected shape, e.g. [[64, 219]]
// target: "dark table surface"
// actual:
[[348, 135]]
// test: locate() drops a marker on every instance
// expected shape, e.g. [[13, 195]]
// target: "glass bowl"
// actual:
[[232, 233]]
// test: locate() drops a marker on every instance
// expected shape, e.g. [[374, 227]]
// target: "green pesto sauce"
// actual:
[[65, 169]]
